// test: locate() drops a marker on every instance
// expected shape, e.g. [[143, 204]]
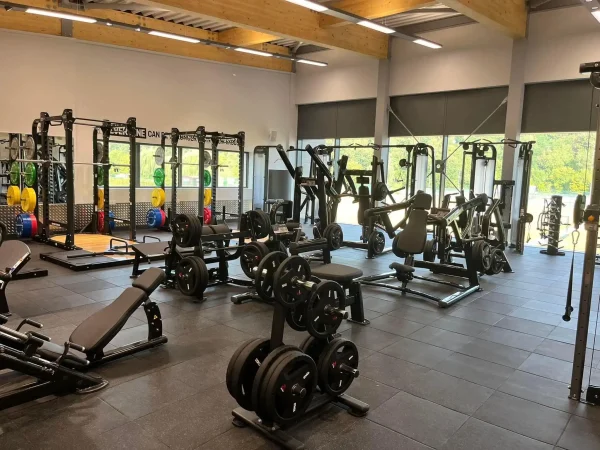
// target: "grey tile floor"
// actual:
[[491, 372]]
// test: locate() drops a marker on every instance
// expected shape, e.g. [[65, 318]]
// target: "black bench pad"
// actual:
[[149, 280], [402, 268], [95, 332], [336, 272]]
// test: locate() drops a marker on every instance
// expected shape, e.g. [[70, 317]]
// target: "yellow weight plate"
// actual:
[[100, 199], [158, 197], [28, 199], [207, 197], [13, 195]]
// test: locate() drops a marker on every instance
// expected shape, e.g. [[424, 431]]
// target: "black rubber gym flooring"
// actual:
[[491, 372]]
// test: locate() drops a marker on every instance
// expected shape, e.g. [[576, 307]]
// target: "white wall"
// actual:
[[41, 73], [473, 56]]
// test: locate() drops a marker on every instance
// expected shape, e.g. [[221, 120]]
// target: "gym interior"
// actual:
[[349, 224]]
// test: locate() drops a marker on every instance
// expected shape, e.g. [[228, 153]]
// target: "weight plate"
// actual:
[[159, 156], [13, 149], [111, 222], [334, 235], [376, 242], [29, 149], [100, 198], [30, 174], [380, 192], [338, 366], [261, 375], [207, 197], [244, 371], [207, 158], [287, 293], [186, 228], [207, 216], [192, 276], [15, 173], [207, 178], [296, 318], [325, 309], [430, 250], [313, 347], [159, 177], [265, 275], [13, 196], [28, 200], [100, 172], [232, 362], [260, 223], [497, 264], [252, 254], [26, 225], [290, 388], [482, 256], [158, 197], [155, 218]]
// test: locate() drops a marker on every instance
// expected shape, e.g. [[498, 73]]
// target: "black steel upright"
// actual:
[[131, 133]]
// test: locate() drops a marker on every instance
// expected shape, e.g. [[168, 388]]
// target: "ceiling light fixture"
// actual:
[[312, 63], [59, 15], [376, 27], [310, 5], [174, 36], [596, 14], [252, 52], [427, 43]]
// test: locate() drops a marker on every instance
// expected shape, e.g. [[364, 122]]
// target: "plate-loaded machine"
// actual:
[[60, 369], [320, 187], [412, 240], [372, 189]]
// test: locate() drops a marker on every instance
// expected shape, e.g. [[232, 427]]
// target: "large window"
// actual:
[[118, 153], [148, 165], [562, 165], [190, 159], [229, 168], [302, 158]]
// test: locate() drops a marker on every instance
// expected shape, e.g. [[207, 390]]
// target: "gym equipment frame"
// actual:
[[591, 219]]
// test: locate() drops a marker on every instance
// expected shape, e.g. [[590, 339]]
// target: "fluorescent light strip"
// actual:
[[252, 52], [376, 27], [174, 36], [312, 63], [596, 14], [427, 43], [310, 5], [59, 15]]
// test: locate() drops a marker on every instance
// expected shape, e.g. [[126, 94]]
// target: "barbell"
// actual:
[[159, 158]]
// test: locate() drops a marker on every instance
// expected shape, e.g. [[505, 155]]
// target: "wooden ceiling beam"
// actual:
[[244, 37], [21, 21], [371, 9], [507, 16], [283, 19]]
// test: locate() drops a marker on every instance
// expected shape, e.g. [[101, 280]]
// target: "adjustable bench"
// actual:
[[95, 332], [13, 257]]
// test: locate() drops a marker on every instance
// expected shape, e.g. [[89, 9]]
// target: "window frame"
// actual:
[[246, 169]]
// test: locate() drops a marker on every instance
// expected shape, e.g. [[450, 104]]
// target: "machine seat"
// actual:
[[149, 280], [402, 268], [336, 272]]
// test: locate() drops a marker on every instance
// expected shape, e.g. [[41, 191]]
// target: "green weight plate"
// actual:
[[159, 177], [15, 173], [30, 174], [207, 178], [100, 176]]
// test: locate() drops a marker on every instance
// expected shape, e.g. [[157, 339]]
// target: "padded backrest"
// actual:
[[220, 228], [421, 201], [149, 280], [13, 256], [95, 332], [412, 238]]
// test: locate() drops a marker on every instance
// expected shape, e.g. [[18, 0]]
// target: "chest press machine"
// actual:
[[411, 241]]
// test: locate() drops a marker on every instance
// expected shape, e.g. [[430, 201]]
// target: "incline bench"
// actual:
[[95, 333]]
